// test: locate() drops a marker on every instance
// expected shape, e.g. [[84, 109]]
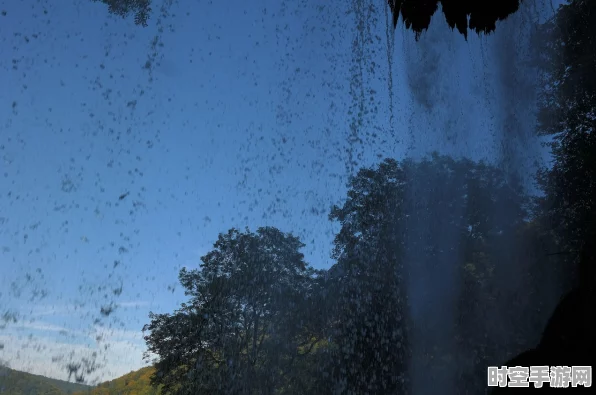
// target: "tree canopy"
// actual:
[[432, 226], [567, 58], [241, 331], [260, 320]]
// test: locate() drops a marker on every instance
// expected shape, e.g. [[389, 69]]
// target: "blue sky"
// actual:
[[242, 119]]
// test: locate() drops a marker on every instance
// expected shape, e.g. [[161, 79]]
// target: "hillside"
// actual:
[[133, 383], [14, 382]]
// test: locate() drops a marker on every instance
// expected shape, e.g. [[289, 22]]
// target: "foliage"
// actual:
[[133, 383], [400, 224], [567, 58], [367, 299], [259, 320], [242, 329]]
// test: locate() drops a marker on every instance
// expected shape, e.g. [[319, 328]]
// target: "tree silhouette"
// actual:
[[259, 320], [567, 56], [242, 329], [454, 229]]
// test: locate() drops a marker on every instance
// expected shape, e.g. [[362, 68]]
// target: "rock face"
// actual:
[[483, 15], [568, 339], [416, 14]]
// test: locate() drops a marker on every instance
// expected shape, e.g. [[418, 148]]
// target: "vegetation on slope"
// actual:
[[133, 383], [14, 382]]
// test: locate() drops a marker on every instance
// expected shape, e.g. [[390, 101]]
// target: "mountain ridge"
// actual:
[[15, 382]]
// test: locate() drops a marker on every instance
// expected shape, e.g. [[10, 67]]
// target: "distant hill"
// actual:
[[14, 382], [133, 383]]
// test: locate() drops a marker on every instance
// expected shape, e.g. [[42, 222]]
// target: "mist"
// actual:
[[475, 99]]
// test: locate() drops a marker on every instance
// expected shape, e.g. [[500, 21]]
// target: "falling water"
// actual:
[[473, 99]]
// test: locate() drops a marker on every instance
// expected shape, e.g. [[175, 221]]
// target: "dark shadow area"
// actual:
[[569, 336]]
